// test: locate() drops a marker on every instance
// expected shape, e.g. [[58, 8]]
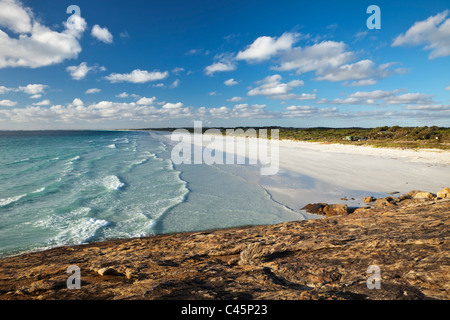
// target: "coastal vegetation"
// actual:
[[386, 137]]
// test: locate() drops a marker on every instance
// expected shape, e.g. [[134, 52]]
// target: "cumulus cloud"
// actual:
[[433, 33], [318, 57], [79, 72], [364, 69], [381, 97], [272, 87], [35, 90], [235, 99], [102, 34], [45, 102], [7, 103], [92, 91], [146, 101], [31, 44], [175, 84], [230, 82], [4, 89], [263, 48], [137, 76], [224, 62]]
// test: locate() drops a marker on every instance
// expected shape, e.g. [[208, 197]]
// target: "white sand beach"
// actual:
[[317, 172]]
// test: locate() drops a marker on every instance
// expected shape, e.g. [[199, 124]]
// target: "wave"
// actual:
[[73, 159], [121, 140], [113, 183], [7, 201], [39, 190], [80, 232], [112, 146]]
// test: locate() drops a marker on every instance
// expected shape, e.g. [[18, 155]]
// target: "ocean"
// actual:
[[73, 187]]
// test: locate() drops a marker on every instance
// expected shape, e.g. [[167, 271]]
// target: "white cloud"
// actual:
[[380, 97], [360, 83], [123, 95], [409, 98], [4, 89], [230, 82], [263, 48], [220, 67], [14, 17], [77, 102], [272, 87], [102, 34], [235, 99], [177, 70], [309, 111], [92, 90], [447, 88], [429, 107], [42, 103], [7, 103], [224, 63], [36, 96], [175, 84], [79, 72], [318, 57], [33, 89], [356, 71], [434, 33], [137, 76], [146, 101], [34, 44]]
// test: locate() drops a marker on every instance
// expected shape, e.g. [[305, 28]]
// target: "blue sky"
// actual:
[[135, 64]]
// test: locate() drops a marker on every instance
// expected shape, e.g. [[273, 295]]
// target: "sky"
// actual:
[[167, 63]]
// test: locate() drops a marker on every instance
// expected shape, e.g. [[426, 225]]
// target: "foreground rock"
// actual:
[[312, 259], [328, 210]]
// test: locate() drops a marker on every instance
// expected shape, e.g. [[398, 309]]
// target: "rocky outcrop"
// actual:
[[444, 193], [330, 258], [328, 210]]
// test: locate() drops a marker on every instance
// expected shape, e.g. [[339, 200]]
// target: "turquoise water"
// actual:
[[72, 187]]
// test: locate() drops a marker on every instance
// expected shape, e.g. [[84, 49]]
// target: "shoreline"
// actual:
[[273, 262], [314, 172]]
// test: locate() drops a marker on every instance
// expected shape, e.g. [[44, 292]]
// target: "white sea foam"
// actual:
[[112, 146], [5, 202], [80, 232], [71, 160], [113, 183], [121, 140], [39, 190]]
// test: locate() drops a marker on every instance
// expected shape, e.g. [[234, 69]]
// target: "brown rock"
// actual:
[[424, 195], [385, 202], [335, 210], [110, 271], [444, 193], [369, 199], [361, 209], [314, 208], [312, 259]]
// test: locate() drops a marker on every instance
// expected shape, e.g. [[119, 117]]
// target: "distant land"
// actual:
[[383, 137]]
